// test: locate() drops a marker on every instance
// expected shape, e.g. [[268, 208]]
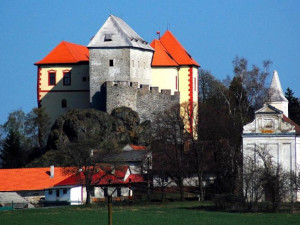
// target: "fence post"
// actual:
[[109, 200]]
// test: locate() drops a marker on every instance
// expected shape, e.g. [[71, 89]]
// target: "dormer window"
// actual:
[[108, 37]]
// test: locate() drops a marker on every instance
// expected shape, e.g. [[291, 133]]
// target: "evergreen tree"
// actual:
[[294, 106], [11, 153]]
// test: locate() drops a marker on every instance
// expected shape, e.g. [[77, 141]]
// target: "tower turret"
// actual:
[[276, 96]]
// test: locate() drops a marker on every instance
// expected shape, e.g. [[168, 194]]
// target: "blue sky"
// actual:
[[212, 31]]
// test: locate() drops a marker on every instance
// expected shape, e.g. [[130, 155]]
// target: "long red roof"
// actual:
[[29, 179], [66, 52], [102, 178], [174, 49]]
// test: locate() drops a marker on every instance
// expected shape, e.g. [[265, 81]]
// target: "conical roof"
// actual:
[[161, 56], [66, 52], [275, 90], [116, 33], [176, 50]]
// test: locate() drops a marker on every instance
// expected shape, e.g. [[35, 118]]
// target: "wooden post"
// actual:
[[109, 200]]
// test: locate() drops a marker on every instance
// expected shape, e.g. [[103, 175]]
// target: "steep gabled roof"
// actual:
[[176, 50], [275, 90], [29, 179], [66, 52], [116, 33], [161, 56]]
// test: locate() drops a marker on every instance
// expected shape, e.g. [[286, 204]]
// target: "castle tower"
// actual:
[[62, 79], [277, 98], [174, 68], [117, 53]]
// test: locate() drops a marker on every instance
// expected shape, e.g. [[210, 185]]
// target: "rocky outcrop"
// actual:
[[115, 130]]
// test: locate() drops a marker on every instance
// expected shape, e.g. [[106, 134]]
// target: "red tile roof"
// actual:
[[175, 49], [138, 147], [102, 178], [66, 52], [288, 120], [161, 56], [27, 179]]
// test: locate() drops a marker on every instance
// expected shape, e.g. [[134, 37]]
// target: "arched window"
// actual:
[[64, 103]]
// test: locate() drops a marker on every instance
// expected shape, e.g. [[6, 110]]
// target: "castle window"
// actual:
[[138, 64], [64, 103], [132, 63], [84, 79], [144, 65], [176, 83], [195, 84], [111, 62], [67, 78], [51, 78], [108, 37]]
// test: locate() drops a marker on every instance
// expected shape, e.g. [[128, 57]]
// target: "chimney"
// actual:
[[51, 171]]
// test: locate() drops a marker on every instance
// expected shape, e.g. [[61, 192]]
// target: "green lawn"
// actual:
[[170, 213]]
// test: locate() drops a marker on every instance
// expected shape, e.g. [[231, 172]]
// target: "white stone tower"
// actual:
[[276, 96], [117, 53]]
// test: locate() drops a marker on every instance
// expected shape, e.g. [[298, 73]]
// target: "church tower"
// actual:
[[118, 54], [277, 98]]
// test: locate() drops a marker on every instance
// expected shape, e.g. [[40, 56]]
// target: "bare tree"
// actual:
[[265, 179], [171, 140], [83, 161]]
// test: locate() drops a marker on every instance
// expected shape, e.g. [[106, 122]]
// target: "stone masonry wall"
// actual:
[[120, 94], [146, 102]]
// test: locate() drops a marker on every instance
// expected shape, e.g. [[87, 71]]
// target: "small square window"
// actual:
[[65, 191], [84, 79], [50, 192], [111, 62]]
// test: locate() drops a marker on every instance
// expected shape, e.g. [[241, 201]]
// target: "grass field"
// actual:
[[176, 213]]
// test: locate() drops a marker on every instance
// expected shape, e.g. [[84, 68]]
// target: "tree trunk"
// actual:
[[200, 185], [88, 195]]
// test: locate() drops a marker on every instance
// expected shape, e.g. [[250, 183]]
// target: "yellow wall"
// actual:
[[184, 84], [76, 94], [164, 78]]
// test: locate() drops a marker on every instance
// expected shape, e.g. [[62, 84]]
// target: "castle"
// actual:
[[117, 68]]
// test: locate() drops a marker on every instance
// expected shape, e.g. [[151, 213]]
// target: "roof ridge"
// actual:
[[67, 46], [120, 28]]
